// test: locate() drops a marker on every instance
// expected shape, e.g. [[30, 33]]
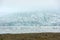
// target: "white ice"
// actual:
[[30, 13]]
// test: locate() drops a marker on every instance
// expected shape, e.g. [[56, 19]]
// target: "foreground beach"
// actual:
[[31, 36]]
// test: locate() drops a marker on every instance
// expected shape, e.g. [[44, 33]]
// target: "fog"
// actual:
[[28, 5]]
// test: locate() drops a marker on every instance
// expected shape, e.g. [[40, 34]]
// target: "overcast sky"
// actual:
[[27, 5]]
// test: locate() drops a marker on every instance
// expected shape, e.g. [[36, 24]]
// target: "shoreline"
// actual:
[[31, 36]]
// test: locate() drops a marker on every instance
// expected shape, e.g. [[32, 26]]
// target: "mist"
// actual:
[[28, 5]]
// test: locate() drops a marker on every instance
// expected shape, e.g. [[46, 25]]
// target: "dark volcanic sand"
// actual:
[[31, 36]]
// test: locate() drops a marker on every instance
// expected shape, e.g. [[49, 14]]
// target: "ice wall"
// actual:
[[29, 13]]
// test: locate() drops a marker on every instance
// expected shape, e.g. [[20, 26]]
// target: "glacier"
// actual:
[[29, 16], [36, 18], [30, 22]]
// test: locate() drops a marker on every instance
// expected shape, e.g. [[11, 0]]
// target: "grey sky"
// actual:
[[27, 5]]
